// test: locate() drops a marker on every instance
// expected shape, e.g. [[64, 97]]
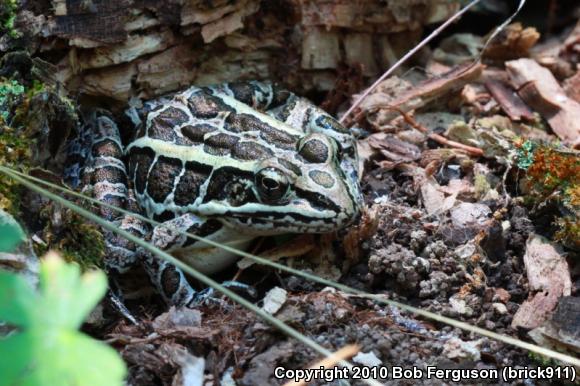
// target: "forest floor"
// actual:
[[482, 230], [471, 184]]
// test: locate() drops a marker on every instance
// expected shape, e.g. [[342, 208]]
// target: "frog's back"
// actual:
[[190, 146]]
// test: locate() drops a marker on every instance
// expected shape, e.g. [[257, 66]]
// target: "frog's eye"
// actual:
[[272, 184], [315, 149]]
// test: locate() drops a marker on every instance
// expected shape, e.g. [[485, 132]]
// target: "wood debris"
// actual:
[[572, 86], [514, 41], [549, 280], [562, 331], [133, 47], [510, 102], [541, 91], [423, 94], [394, 149]]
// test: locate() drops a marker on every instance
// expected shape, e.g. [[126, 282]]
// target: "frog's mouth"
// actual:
[[277, 222], [305, 211]]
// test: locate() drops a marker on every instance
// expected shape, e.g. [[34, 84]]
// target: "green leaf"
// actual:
[[16, 299], [47, 349], [65, 358], [15, 352], [11, 234], [68, 296]]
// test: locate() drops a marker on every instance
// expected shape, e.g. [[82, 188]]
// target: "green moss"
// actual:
[[568, 231], [14, 150], [84, 243], [9, 90], [481, 185], [23, 110], [14, 144], [74, 237], [8, 9], [525, 155], [541, 359]]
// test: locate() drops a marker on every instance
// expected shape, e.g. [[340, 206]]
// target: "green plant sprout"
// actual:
[[11, 234], [47, 349]]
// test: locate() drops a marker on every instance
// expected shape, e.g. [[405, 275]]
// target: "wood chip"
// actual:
[[359, 48], [562, 333], [228, 24], [394, 149], [572, 87], [434, 199], [540, 90], [168, 70], [193, 14], [114, 82], [549, 280], [509, 101], [320, 49], [515, 41]]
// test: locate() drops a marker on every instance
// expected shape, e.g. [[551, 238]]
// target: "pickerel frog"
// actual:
[[229, 163]]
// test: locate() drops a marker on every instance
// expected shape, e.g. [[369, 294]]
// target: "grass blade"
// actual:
[[378, 298]]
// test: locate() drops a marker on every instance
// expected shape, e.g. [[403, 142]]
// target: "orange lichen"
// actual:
[[554, 174], [553, 170]]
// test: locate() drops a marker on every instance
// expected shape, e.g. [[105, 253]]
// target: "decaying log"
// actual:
[[143, 48]]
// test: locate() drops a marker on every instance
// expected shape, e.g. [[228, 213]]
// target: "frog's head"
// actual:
[[313, 189]]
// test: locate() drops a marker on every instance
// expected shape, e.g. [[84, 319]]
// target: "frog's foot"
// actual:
[[210, 296], [121, 256], [169, 236], [169, 280], [118, 304]]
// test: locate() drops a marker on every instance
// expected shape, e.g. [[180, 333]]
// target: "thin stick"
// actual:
[[277, 323], [475, 151], [427, 40], [346, 289], [406, 57]]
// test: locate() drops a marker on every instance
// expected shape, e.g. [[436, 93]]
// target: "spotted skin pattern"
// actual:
[[229, 163]]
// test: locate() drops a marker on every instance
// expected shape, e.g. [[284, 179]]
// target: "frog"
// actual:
[[230, 163]]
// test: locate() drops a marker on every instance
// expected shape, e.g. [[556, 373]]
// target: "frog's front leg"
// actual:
[[169, 236]]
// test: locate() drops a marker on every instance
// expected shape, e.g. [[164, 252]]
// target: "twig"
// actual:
[[406, 57], [474, 151]]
